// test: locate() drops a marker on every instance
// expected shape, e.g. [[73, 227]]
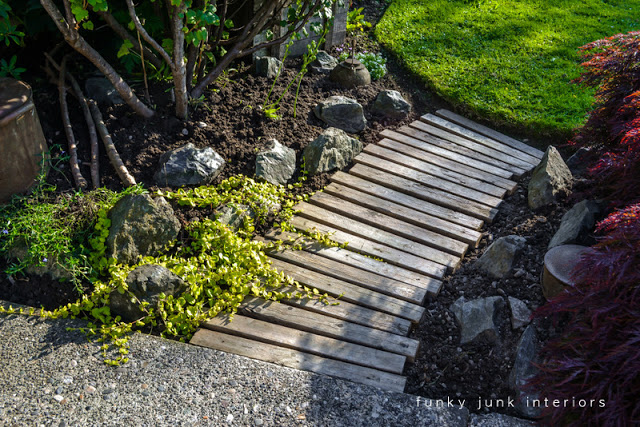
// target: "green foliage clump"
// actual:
[[511, 61], [219, 265], [356, 23]]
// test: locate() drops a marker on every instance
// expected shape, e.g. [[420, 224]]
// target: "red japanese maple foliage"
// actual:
[[596, 354]]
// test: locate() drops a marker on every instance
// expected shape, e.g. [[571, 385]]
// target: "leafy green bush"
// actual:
[[510, 61]]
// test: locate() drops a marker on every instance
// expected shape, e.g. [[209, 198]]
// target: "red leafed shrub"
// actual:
[[613, 128], [597, 355]]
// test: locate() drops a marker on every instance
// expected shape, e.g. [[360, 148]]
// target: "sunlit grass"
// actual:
[[507, 60]]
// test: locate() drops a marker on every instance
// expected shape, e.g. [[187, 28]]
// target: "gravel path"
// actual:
[[51, 376]]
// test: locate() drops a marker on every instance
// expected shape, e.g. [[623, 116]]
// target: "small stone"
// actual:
[[144, 386], [59, 390], [229, 418], [162, 389], [130, 137], [202, 125], [108, 391], [73, 363], [90, 389], [519, 273], [520, 313], [58, 398], [185, 132], [258, 421]]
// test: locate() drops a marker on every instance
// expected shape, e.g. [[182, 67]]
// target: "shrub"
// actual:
[[597, 355], [613, 65]]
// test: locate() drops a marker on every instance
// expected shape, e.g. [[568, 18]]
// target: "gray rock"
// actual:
[[323, 63], [146, 282], [498, 420], [578, 162], [523, 370], [576, 223], [549, 179], [333, 149], [498, 259], [102, 91], [520, 313], [140, 226], [390, 104], [267, 66], [276, 164], [477, 317], [188, 165], [341, 112], [233, 215]]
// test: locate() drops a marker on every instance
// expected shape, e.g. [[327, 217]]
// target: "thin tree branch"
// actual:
[[71, 139], [154, 44], [125, 35], [114, 157]]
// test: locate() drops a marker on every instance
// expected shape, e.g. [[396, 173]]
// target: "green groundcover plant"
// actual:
[[511, 60]]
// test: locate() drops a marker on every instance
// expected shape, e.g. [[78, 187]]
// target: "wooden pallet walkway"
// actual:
[[409, 209]]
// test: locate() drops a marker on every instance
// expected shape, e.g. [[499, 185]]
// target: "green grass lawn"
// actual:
[[507, 60]]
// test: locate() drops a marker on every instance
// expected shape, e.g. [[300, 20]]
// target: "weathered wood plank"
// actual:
[[348, 273], [270, 333], [427, 163], [411, 182], [488, 142], [368, 247], [427, 141], [297, 318], [403, 199], [390, 224], [298, 360], [350, 292], [375, 234], [349, 312], [381, 151], [406, 214], [491, 133], [345, 256], [445, 151]]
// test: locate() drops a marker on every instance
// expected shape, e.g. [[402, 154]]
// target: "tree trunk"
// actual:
[[179, 69]]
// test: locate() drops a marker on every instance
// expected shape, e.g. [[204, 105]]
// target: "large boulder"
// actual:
[[267, 66], [188, 165], [276, 164], [390, 104], [523, 369], [549, 179], [323, 64], [333, 149], [341, 112], [499, 258], [576, 223], [146, 282], [102, 91], [578, 163], [140, 226], [478, 317]]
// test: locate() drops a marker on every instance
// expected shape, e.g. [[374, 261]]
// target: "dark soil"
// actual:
[[229, 119]]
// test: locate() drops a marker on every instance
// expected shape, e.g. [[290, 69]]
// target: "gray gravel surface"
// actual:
[[51, 376]]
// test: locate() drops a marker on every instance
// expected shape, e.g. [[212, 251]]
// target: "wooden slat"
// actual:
[[411, 182], [447, 151], [431, 285], [488, 142], [389, 223], [349, 312], [422, 167], [338, 270], [297, 318], [298, 360], [372, 233], [403, 199], [428, 163], [350, 292], [307, 342], [413, 216], [491, 133], [368, 247], [431, 140]]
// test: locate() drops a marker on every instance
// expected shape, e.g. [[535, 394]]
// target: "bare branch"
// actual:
[[154, 44], [68, 129]]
